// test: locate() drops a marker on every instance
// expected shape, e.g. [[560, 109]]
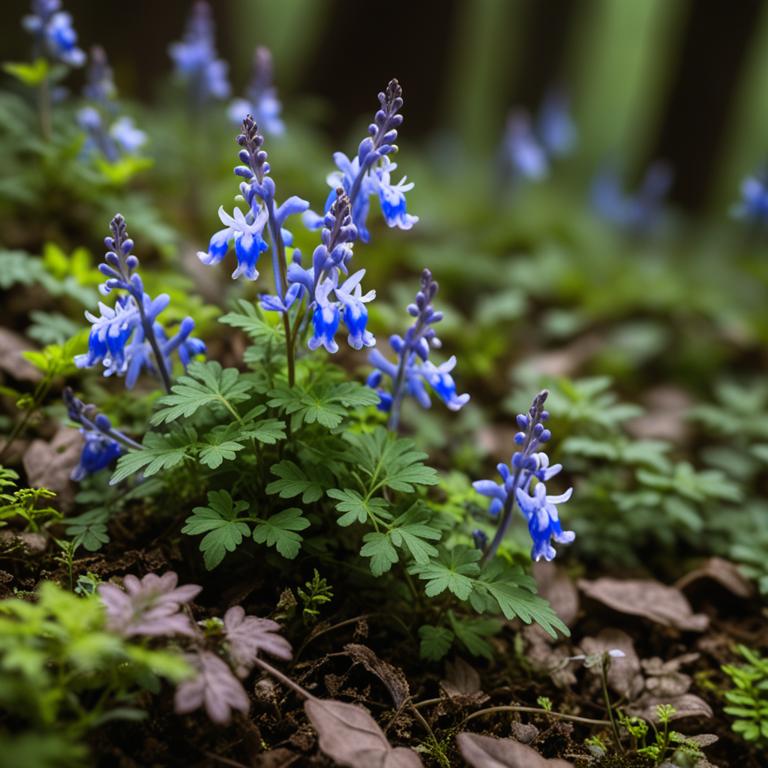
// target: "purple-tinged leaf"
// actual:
[[248, 636], [149, 606], [351, 737], [487, 752], [214, 687]]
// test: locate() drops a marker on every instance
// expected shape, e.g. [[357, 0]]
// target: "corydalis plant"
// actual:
[[108, 133], [127, 338], [528, 466], [368, 174], [261, 97], [55, 38], [196, 59], [413, 371]]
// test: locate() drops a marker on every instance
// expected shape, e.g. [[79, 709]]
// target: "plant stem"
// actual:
[[284, 679], [44, 107], [532, 710], [149, 334], [604, 682]]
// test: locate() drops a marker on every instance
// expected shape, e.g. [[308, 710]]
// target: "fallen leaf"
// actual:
[[462, 682], [624, 675], [49, 465], [393, 678], [350, 736], [556, 586], [487, 752], [724, 572], [686, 705], [11, 359], [646, 598]]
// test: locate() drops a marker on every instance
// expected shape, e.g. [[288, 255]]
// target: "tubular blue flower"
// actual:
[[754, 200], [392, 197], [119, 137], [640, 213], [258, 189], [528, 465], [543, 520], [261, 98], [128, 338], [196, 60], [325, 318], [367, 174], [54, 36], [555, 125], [246, 233], [350, 294], [523, 154], [103, 443], [413, 371]]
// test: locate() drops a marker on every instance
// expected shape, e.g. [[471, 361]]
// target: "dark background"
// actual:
[[340, 51]]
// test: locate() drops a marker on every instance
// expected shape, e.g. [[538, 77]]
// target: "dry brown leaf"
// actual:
[[646, 598], [350, 736], [724, 572], [49, 465], [462, 682], [624, 675], [393, 678], [11, 360], [487, 752], [686, 705], [556, 586]]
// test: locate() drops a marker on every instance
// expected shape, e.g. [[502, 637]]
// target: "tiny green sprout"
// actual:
[[596, 746], [26, 503], [87, 584], [665, 712], [212, 627], [315, 593], [545, 703]]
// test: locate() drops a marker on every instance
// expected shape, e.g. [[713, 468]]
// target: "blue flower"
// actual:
[[195, 58], [413, 371], [127, 338], [129, 138], [640, 213], [350, 294], [528, 465], [556, 128], [55, 37], [754, 200], [392, 197], [367, 174], [523, 153], [247, 237], [99, 451], [261, 99], [325, 318], [543, 520]]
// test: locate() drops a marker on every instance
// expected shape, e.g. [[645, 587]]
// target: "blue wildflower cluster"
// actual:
[[107, 133], [127, 338], [246, 230], [196, 59], [261, 97], [369, 173], [639, 213], [329, 302], [529, 464], [55, 38], [103, 443], [754, 200], [528, 149], [413, 371]]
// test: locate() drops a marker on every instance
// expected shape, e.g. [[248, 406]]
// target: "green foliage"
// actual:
[[25, 503], [63, 673], [225, 527], [748, 699]]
